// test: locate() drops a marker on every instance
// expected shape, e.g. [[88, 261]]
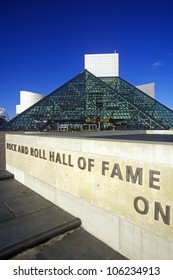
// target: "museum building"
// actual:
[[90, 101]]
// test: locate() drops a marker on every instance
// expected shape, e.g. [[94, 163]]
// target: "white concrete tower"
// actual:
[[102, 65], [27, 99]]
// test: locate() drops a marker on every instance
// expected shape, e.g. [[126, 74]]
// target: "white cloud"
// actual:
[[156, 64]]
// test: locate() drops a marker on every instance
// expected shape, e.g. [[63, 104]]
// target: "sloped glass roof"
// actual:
[[140, 99], [86, 98]]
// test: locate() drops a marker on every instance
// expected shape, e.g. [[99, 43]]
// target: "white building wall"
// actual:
[[27, 99], [102, 65], [148, 89]]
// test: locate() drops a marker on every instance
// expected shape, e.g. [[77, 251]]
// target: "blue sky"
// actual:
[[43, 42]]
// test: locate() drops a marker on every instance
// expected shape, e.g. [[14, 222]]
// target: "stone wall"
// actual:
[[121, 190]]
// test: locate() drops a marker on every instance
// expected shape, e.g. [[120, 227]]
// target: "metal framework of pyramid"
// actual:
[[88, 101]]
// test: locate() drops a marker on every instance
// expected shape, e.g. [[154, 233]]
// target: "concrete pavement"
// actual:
[[31, 227]]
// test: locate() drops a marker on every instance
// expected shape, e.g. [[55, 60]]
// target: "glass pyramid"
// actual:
[[101, 103]]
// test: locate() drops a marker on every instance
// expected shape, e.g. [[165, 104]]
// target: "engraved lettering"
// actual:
[[133, 177], [141, 209]]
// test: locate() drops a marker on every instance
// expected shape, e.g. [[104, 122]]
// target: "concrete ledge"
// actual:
[[27, 219], [33, 239], [5, 175]]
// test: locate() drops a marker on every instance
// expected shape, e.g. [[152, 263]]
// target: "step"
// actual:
[[5, 175]]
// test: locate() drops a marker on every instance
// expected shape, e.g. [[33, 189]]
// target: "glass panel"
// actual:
[[86, 100]]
